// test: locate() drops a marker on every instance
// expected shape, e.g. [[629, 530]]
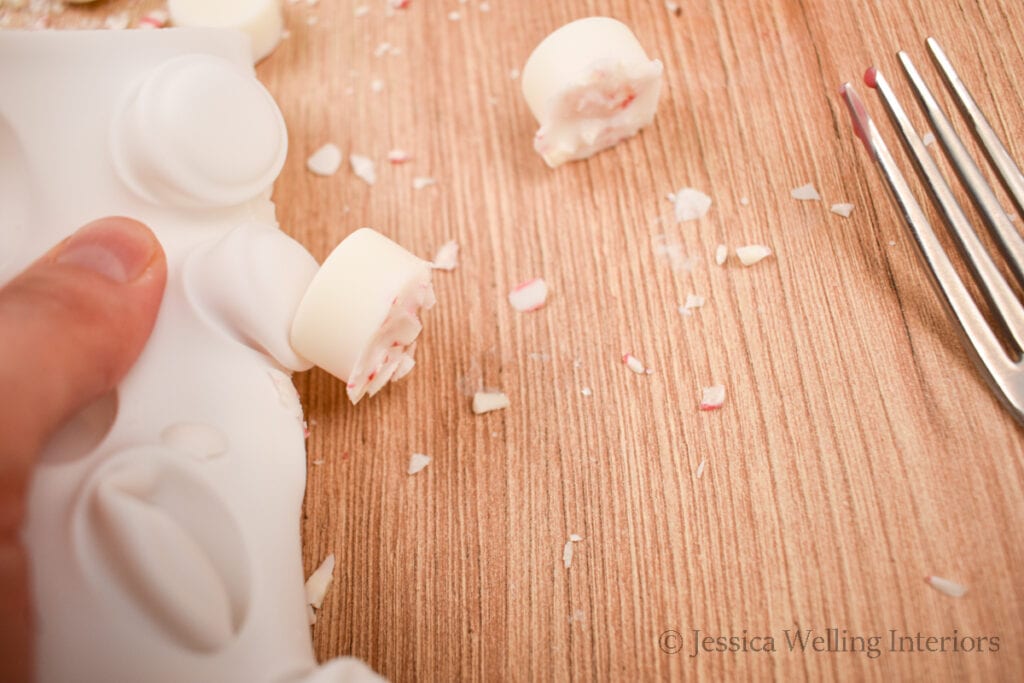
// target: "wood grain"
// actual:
[[857, 451]]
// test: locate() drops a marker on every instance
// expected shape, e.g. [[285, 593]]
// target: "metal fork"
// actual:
[[1003, 371]]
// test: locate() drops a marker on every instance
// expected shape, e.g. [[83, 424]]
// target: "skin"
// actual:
[[71, 326]]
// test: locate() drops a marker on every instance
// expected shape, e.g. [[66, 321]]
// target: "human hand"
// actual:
[[71, 326]]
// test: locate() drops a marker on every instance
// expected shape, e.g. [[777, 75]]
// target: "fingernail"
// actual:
[[119, 249]]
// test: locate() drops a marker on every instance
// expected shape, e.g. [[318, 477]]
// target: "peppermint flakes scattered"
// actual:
[[325, 161], [712, 397], [690, 204], [529, 296], [806, 193], [364, 168], [446, 257], [417, 462], [950, 588]]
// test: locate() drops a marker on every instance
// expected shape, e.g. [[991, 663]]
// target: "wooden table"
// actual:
[[857, 451]]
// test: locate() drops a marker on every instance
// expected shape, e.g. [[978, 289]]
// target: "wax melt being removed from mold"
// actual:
[[589, 84], [359, 319]]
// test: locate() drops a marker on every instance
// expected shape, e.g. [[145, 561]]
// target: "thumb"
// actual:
[[71, 326]]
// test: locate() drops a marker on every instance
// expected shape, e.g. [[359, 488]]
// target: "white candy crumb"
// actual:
[[744, 201], [690, 204], [376, 85], [312, 20], [446, 257], [928, 138], [843, 210], [673, 7], [513, 74], [950, 588], [587, 391], [700, 468], [575, 538], [693, 301], [421, 182], [486, 401], [117, 22], [417, 462], [712, 397], [398, 4], [721, 253], [567, 554], [363, 167], [752, 253], [529, 296], [635, 364], [454, 16], [399, 156], [382, 49], [325, 161], [319, 581], [806, 193], [485, 7], [310, 615], [361, 11]]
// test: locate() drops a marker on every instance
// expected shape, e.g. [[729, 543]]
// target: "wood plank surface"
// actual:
[[858, 450]]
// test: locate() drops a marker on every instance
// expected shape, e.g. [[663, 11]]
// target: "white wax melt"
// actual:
[[359, 318], [589, 84], [261, 19]]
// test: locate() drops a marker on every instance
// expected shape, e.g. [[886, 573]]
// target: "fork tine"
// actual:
[[1009, 172], [986, 348], [994, 286], [992, 211]]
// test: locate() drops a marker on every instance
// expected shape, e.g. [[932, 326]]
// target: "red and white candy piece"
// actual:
[[635, 364], [359, 319], [712, 397], [529, 295]]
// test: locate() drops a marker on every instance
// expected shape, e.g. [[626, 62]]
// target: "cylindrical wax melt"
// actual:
[[261, 19], [589, 84], [359, 318]]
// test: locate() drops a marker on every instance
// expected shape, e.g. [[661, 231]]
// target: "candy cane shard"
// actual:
[[319, 581], [529, 296], [359, 319], [589, 84]]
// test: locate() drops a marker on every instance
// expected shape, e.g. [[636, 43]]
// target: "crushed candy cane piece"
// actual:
[[399, 156], [417, 462], [446, 257], [700, 468], [529, 296], [361, 11], [752, 253], [843, 210], [928, 138], [693, 301], [673, 7], [319, 581], [454, 16], [690, 204], [712, 397], [156, 19], [484, 7], [420, 182], [744, 201], [806, 193], [325, 161], [363, 167], [513, 74], [587, 391], [575, 538], [721, 253], [950, 588], [398, 4], [634, 364], [486, 401], [382, 49], [376, 85], [117, 22]]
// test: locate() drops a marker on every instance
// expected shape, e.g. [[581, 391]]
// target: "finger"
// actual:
[[71, 326]]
